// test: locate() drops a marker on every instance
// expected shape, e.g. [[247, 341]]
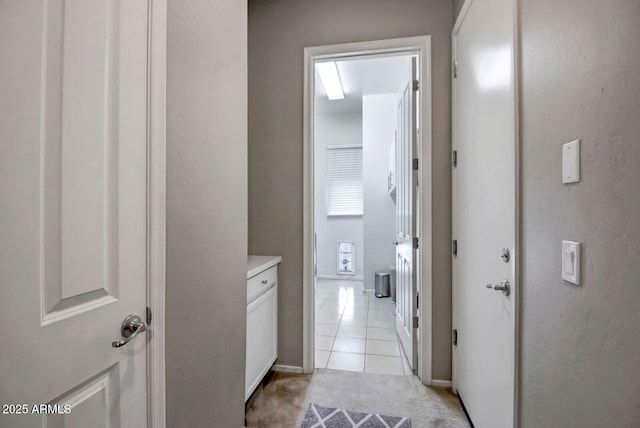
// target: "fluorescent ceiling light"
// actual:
[[328, 72]]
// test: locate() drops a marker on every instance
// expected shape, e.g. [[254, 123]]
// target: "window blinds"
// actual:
[[344, 181]]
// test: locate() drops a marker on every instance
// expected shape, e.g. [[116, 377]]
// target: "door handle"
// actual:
[[131, 327], [503, 286], [395, 243]]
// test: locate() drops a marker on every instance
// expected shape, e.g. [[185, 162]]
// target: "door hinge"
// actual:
[[454, 158], [454, 247], [416, 243], [416, 322], [416, 85], [454, 337], [415, 164], [455, 69], [149, 315]]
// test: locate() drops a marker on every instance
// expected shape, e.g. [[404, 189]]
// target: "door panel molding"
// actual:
[[99, 391], [77, 214]]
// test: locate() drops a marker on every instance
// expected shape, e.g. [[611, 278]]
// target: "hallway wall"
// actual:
[[379, 121], [206, 212], [580, 344], [457, 6], [335, 130], [278, 32]]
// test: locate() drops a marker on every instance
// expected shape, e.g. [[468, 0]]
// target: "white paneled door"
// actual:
[[406, 231], [73, 222], [484, 214]]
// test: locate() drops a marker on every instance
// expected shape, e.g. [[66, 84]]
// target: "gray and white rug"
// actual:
[[330, 417]]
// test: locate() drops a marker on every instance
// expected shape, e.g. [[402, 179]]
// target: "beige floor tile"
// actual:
[[329, 329], [327, 318], [360, 298], [382, 347], [324, 343], [321, 360], [406, 367], [358, 303], [331, 303], [353, 321], [352, 331], [381, 322], [381, 333], [328, 313], [348, 344], [381, 313]]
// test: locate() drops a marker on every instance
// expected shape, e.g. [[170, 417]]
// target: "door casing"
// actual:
[[420, 46], [516, 256], [156, 209]]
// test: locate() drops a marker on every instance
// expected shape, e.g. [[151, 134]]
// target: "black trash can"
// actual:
[[382, 284]]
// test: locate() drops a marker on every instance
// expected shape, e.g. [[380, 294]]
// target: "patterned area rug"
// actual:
[[330, 417]]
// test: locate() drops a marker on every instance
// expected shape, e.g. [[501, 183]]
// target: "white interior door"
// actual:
[[73, 151], [484, 210], [406, 232]]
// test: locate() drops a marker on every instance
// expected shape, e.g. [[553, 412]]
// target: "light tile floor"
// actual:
[[355, 331]]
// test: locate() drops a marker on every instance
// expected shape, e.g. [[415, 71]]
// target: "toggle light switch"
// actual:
[[567, 259], [571, 262]]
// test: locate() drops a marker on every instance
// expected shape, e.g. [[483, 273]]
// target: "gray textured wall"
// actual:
[[206, 212], [457, 6], [581, 345], [335, 130], [278, 32], [379, 121]]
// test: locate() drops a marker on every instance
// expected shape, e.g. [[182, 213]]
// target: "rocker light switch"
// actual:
[[571, 262], [571, 162]]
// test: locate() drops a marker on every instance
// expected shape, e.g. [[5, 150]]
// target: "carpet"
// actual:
[[330, 417]]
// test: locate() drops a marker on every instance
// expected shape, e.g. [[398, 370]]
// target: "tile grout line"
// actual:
[[370, 310]]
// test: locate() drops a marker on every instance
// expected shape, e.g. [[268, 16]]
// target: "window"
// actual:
[[344, 180]]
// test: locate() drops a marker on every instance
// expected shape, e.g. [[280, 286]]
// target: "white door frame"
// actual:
[[518, 196], [156, 210], [420, 45]]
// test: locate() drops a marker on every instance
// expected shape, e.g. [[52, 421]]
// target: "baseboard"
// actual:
[[441, 383], [286, 369], [340, 277]]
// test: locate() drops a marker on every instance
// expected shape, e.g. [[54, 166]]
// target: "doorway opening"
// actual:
[[359, 115], [363, 149]]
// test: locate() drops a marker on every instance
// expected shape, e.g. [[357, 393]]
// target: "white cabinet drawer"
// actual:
[[261, 282]]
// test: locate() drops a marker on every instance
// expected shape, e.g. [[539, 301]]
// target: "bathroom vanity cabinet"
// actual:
[[262, 319]]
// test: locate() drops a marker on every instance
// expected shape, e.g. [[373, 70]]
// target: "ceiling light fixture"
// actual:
[[328, 72]]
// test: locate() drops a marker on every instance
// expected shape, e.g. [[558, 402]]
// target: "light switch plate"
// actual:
[[571, 262], [571, 162]]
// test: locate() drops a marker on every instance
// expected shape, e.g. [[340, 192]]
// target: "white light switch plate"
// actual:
[[571, 162], [571, 262]]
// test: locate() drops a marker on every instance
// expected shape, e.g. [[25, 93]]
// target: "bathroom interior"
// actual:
[[355, 154]]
